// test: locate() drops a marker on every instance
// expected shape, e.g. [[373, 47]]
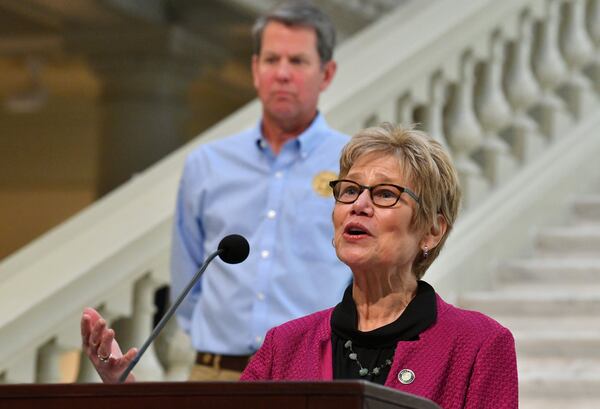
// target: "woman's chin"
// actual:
[[355, 260]]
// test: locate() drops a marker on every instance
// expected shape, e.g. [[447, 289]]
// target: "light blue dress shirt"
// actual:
[[238, 185]]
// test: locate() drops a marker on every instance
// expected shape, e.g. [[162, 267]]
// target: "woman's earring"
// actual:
[[425, 252]]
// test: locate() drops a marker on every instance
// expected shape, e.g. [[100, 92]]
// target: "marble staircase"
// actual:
[[551, 302]]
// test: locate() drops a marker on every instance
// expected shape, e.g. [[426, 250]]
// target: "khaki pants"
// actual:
[[212, 373]]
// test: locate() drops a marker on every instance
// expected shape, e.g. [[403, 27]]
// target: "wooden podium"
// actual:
[[210, 395]]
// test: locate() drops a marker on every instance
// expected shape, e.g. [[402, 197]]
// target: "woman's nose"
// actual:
[[363, 204]]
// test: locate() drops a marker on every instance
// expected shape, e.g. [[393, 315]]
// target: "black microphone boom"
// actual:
[[233, 249]]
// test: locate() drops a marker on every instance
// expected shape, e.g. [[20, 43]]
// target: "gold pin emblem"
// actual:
[[321, 181]]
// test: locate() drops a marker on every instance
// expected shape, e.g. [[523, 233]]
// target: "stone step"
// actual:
[[550, 270], [559, 378], [558, 403], [535, 300], [567, 323], [587, 208], [552, 341], [582, 241]]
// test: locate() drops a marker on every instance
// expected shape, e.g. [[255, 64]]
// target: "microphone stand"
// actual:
[[167, 316]]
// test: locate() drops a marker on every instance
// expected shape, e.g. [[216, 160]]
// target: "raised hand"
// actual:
[[99, 344]]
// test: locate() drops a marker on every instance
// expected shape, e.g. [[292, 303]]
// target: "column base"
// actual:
[[474, 186], [552, 116], [525, 140], [578, 94], [496, 160]]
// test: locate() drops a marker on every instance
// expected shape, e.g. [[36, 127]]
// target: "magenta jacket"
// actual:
[[464, 360]]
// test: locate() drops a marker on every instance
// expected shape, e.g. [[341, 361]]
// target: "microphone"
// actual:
[[233, 249]]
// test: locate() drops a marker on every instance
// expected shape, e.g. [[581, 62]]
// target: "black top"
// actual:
[[373, 348]]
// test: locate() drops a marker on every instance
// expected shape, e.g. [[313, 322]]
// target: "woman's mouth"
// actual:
[[355, 231]]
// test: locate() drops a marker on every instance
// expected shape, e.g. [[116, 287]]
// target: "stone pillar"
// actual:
[[144, 74]]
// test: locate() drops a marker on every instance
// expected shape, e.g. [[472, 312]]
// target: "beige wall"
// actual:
[[47, 165], [49, 157]]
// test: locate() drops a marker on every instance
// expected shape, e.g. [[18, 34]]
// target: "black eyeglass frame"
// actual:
[[362, 188]]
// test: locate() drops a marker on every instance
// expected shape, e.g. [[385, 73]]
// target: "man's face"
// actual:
[[288, 75]]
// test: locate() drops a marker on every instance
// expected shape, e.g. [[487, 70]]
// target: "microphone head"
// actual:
[[233, 249]]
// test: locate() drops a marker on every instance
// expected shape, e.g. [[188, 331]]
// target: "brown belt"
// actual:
[[230, 362]]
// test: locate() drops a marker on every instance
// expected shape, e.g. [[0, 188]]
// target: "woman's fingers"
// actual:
[[85, 329], [101, 347], [97, 330], [130, 355], [105, 347], [88, 319]]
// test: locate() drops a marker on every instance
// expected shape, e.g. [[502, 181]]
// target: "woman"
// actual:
[[396, 201]]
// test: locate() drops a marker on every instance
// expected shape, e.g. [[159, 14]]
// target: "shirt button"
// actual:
[[264, 253], [271, 214], [260, 296], [279, 174]]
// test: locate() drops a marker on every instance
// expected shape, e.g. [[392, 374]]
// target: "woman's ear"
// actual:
[[435, 233]]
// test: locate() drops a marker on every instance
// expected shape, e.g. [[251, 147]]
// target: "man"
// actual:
[[270, 184]]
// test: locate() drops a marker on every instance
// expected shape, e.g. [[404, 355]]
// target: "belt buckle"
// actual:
[[207, 359]]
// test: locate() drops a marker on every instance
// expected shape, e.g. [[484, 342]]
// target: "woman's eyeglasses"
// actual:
[[382, 195]]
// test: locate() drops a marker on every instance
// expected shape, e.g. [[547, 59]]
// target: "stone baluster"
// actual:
[[48, 363], [371, 120], [23, 367], [464, 134], [434, 112], [404, 113], [175, 352], [578, 52], [140, 327], [494, 114], [593, 24], [86, 373], [522, 92], [386, 111], [551, 72]]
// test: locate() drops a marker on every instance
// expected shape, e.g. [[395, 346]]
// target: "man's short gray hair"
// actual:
[[299, 13]]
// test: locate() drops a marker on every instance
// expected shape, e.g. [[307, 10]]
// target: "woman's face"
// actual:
[[373, 238]]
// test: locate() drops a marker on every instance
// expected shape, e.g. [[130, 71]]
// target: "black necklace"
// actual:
[[362, 370]]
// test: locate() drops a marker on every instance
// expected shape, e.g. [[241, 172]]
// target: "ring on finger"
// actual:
[[104, 358]]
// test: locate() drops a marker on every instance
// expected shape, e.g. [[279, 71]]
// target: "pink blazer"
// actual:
[[464, 360]]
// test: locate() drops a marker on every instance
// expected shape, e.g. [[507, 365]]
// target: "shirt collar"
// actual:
[[418, 315], [305, 142]]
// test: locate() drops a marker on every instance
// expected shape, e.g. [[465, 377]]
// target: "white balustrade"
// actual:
[[578, 52], [593, 25], [404, 114], [522, 92], [551, 72], [175, 352], [48, 363], [139, 326], [434, 112], [114, 255], [494, 114], [22, 367], [465, 135], [86, 373]]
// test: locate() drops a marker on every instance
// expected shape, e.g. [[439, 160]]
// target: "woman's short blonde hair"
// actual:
[[428, 169]]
